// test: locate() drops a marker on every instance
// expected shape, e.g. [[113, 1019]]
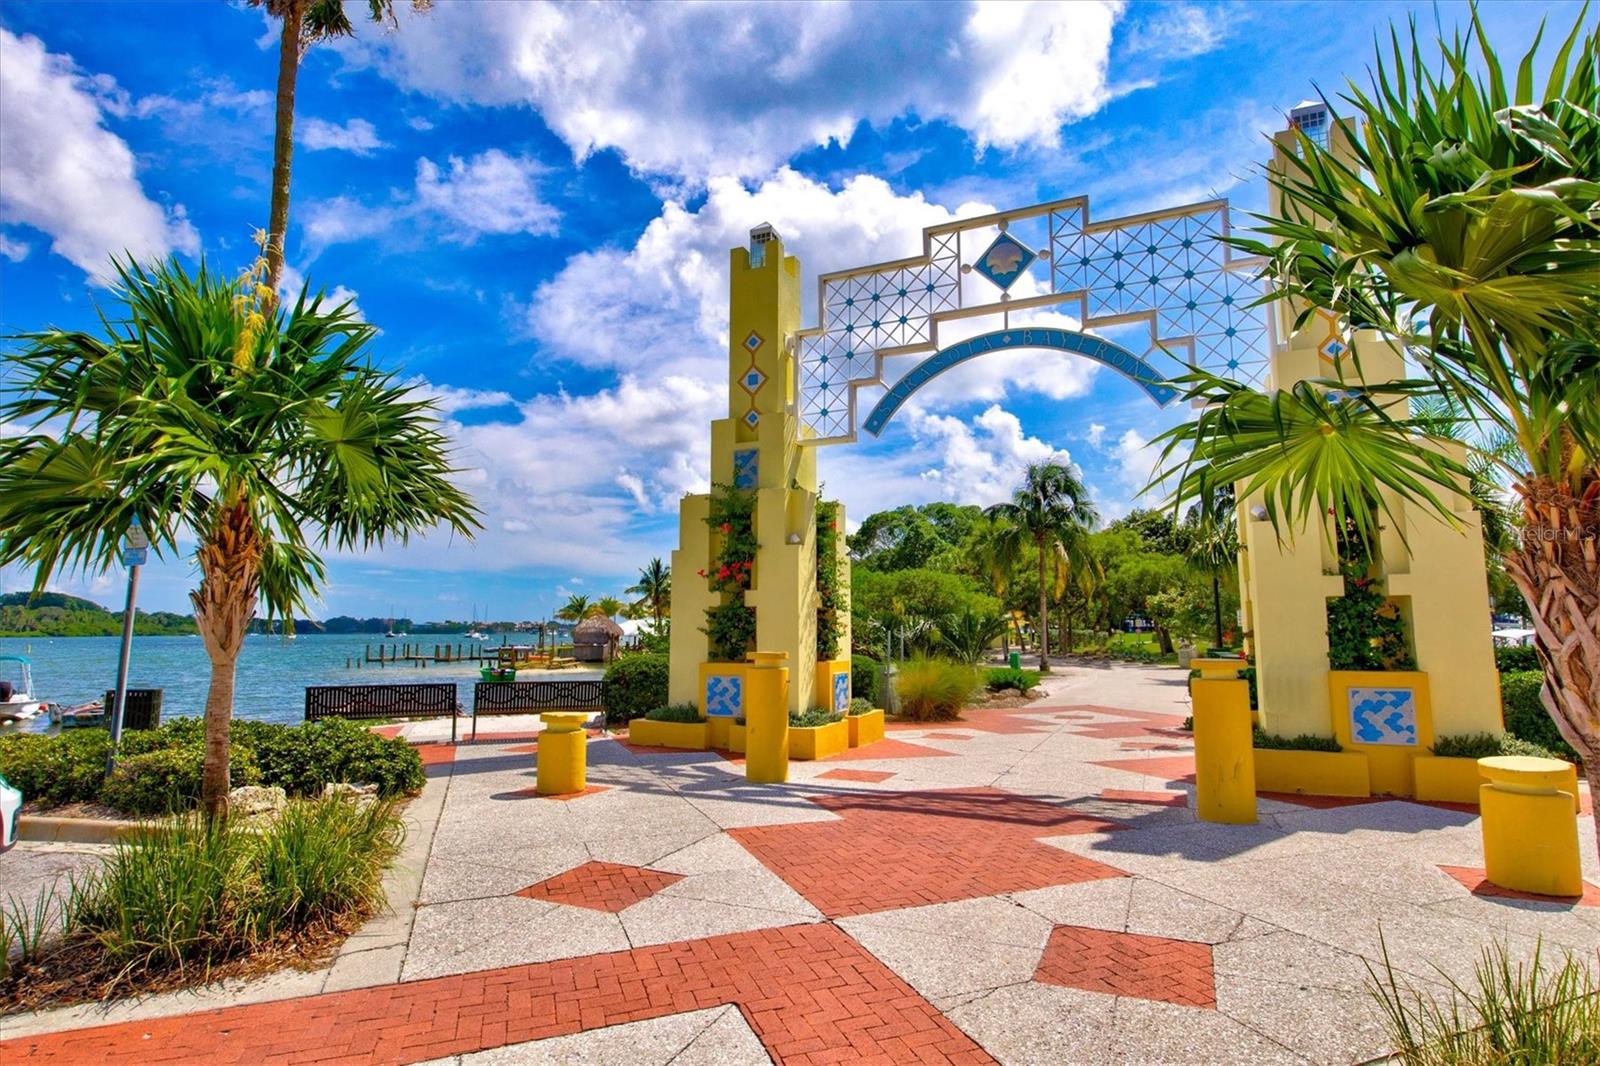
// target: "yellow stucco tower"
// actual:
[[757, 449], [1435, 574]]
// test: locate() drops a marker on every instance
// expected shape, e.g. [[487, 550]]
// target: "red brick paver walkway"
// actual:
[[811, 994], [601, 886], [1129, 964], [1476, 881], [868, 776], [906, 849]]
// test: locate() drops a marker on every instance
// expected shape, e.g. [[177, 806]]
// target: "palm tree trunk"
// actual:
[[1044, 616], [224, 604], [1216, 607], [1556, 567], [283, 140]]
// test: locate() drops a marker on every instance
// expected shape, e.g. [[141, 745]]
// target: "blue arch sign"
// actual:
[[1100, 350]]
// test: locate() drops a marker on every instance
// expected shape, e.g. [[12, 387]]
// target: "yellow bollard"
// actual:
[[563, 753], [1224, 756], [766, 714], [1530, 837]]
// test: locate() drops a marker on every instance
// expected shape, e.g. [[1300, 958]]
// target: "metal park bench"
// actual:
[[530, 697], [365, 702]]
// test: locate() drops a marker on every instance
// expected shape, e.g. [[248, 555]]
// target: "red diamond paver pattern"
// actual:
[[907, 849], [1159, 799], [1476, 881], [1167, 767], [1129, 964], [811, 994], [601, 886], [533, 793], [889, 749], [869, 776]]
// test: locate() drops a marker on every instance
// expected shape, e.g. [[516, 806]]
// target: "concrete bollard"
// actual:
[[1224, 755], [766, 702], [563, 756], [1530, 837]]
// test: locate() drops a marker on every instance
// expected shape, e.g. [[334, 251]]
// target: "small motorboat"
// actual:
[[92, 713], [17, 702]]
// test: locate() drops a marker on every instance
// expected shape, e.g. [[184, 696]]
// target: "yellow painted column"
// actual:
[[563, 753], [1530, 837], [766, 715], [1224, 758]]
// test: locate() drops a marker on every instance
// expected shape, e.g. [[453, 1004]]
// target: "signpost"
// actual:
[[135, 551]]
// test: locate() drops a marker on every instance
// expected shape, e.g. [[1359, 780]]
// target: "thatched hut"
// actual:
[[595, 640]]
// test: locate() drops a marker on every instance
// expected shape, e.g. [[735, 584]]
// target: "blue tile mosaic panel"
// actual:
[[746, 468], [724, 695], [841, 692], [1383, 716]]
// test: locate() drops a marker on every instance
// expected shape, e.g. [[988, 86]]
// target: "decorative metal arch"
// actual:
[[1118, 358], [1169, 269]]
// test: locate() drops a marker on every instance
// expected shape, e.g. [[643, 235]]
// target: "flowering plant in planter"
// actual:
[[732, 517]]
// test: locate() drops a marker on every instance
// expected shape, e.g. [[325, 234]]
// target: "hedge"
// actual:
[[866, 674], [634, 685], [1525, 715], [1517, 657]]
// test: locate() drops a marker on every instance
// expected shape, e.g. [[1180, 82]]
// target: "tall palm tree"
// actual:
[[1214, 548], [576, 609], [607, 607], [304, 23], [210, 416], [654, 588], [1467, 231], [1052, 510]]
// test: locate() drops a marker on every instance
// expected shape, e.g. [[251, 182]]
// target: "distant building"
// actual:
[[595, 640]]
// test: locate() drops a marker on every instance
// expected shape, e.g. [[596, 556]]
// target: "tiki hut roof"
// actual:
[[597, 626]]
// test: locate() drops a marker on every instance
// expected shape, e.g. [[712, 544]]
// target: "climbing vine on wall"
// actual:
[[1366, 630], [731, 625], [829, 596]]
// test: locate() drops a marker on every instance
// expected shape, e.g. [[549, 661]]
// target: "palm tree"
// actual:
[[1214, 548], [654, 588], [208, 415], [607, 607], [1052, 510], [1466, 230], [305, 22], [576, 609]]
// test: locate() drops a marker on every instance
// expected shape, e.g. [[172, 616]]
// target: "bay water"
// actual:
[[271, 681]]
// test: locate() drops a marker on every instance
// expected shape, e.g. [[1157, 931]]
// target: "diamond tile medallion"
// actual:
[[601, 886], [1129, 964]]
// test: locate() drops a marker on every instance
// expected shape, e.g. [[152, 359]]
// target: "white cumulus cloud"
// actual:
[[696, 90], [356, 135], [64, 173]]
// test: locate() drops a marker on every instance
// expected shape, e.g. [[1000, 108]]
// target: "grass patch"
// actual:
[[675, 712], [1485, 745], [186, 901], [1303, 742], [1512, 1015]]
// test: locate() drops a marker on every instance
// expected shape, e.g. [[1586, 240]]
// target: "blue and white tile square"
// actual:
[[724, 695], [1383, 716], [841, 692]]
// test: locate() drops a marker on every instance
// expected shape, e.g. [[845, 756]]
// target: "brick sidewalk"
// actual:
[[811, 994]]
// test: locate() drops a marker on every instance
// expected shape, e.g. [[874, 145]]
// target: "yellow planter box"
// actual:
[[736, 737], [691, 736], [865, 728], [1446, 779], [818, 742], [833, 685], [1313, 773]]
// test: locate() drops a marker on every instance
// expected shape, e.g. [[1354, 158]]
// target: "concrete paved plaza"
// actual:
[[1026, 886]]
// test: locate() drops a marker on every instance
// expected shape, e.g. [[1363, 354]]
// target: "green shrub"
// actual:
[[1303, 742], [52, 770], [677, 712], [1005, 677], [934, 689], [866, 674], [1485, 745], [303, 759], [860, 706], [816, 716], [167, 780], [1524, 713], [1516, 657], [633, 685]]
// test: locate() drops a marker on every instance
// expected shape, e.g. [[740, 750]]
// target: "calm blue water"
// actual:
[[272, 677]]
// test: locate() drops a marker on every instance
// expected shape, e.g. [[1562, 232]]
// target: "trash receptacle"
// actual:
[[141, 711], [1016, 660]]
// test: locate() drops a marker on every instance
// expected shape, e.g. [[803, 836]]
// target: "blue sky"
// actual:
[[534, 203]]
